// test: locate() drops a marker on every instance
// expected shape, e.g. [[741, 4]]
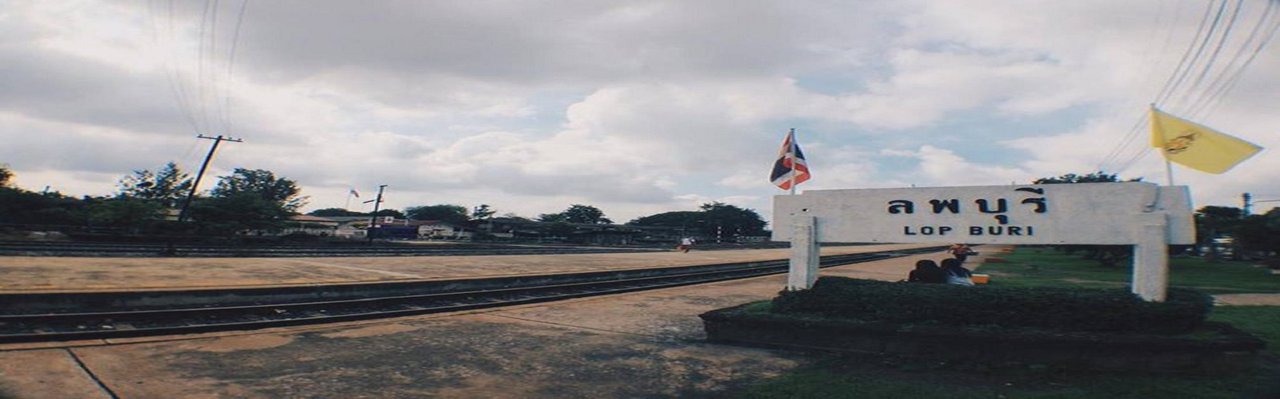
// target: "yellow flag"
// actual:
[[1195, 146]]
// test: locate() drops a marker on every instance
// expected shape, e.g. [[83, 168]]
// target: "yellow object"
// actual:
[[980, 278], [1195, 146]]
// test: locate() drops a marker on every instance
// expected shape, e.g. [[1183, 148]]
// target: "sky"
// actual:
[[634, 107]]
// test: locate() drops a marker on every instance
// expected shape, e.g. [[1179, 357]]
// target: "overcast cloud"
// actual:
[[633, 107]]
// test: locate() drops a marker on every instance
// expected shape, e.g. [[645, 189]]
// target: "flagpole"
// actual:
[[791, 154], [1168, 165], [348, 206]]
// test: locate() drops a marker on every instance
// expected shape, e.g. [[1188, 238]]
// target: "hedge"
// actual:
[[1054, 308]]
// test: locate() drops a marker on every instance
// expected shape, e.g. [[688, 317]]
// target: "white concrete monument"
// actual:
[[1145, 215]]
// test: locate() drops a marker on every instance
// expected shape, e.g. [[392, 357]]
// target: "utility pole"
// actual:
[[373, 218], [182, 215]]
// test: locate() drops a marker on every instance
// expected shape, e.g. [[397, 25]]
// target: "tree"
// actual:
[[1260, 233], [391, 212], [482, 212], [724, 220], [1213, 222], [128, 213], [49, 208], [248, 200], [685, 219], [1095, 177], [455, 214], [326, 212], [231, 213], [585, 214], [5, 175], [261, 183], [552, 218], [168, 187]]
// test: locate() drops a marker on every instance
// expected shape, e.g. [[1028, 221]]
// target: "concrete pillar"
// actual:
[[803, 271], [1151, 257]]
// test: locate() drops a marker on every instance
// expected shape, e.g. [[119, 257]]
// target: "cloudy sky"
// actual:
[[635, 107]]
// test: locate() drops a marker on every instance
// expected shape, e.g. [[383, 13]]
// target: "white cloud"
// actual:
[[633, 107]]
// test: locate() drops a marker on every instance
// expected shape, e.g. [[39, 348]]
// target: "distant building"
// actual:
[[310, 225]]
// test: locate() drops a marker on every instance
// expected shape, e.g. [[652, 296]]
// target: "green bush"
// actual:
[[1064, 309]]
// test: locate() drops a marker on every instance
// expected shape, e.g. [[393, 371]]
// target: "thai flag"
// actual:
[[790, 168]]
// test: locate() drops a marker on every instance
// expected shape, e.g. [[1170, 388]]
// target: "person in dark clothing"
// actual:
[[927, 271], [955, 273]]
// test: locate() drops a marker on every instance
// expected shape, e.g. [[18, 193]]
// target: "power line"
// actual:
[[1222, 39]]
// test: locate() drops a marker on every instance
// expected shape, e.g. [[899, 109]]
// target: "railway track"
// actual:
[[64, 317], [33, 248]]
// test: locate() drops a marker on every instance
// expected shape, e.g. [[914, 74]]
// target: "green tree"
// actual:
[[1214, 222], [1260, 233], [1095, 177], [20, 206], [553, 218], [676, 219], [326, 212], [724, 220], [248, 200], [168, 187], [585, 214], [714, 219], [132, 214], [391, 212], [281, 192], [455, 214], [5, 175], [482, 212]]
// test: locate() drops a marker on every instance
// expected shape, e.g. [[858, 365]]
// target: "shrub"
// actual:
[[1064, 309]]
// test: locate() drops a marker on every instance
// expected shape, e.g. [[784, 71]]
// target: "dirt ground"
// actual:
[[643, 345]]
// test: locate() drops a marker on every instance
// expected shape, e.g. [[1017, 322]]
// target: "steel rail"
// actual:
[[48, 327]]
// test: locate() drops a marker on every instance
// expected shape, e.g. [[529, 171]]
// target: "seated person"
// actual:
[[955, 273], [927, 271]]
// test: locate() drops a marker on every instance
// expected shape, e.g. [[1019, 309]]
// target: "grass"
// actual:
[[1038, 266], [835, 377]]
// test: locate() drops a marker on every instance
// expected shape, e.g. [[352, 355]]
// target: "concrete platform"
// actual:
[[645, 344], [29, 274]]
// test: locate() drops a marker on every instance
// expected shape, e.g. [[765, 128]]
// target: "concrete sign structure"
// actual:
[[1141, 214]]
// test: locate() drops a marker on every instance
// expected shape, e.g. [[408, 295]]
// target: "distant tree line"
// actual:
[[256, 200], [245, 200]]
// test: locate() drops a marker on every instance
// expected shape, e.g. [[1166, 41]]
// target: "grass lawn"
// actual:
[[834, 377], [1041, 266]]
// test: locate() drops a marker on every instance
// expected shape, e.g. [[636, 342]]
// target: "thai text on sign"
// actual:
[[1084, 213]]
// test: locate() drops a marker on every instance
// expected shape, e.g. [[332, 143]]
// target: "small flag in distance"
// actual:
[[1196, 146]]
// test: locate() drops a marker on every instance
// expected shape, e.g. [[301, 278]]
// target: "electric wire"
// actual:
[[231, 61], [1215, 98], [1217, 49], [1170, 84], [1234, 66], [1148, 74], [201, 80], [1205, 92], [1168, 87]]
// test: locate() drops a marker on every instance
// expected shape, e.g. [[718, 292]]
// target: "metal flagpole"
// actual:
[[791, 154]]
